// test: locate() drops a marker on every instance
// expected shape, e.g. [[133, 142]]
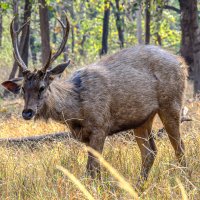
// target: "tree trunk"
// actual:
[[1, 26], [190, 47], [195, 32], [81, 49], [139, 24], [119, 24], [66, 53], [147, 22], [24, 41], [33, 47], [54, 36], [186, 39], [158, 19], [73, 39], [69, 6], [16, 25], [44, 30], [104, 49], [72, 27]]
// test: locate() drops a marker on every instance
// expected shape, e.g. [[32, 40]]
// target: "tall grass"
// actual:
[[122, 182], [33, 174]]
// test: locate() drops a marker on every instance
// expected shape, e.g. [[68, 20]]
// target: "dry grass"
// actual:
[[28, 174], [33, 174]]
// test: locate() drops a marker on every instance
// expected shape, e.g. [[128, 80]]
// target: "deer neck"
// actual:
[[62, 102]]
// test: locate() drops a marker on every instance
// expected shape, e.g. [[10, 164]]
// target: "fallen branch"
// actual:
[[32, 141]]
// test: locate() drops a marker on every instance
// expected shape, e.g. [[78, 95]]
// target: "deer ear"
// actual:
[[59, 69], [13, 85]]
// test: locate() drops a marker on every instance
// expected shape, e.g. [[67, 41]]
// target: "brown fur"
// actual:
[[121, 91]]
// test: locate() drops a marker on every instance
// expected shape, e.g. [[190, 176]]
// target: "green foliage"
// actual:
[[5, 6], [166, 24], [86, 18]]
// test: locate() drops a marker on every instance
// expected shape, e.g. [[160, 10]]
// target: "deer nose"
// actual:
[[27, 114]]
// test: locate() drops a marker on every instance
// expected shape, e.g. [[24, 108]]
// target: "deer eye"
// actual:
[[41, 89]]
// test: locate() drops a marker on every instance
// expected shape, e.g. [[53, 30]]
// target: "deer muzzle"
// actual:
[[28, 114]]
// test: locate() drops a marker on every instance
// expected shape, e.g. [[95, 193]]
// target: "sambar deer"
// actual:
[[120, 92]]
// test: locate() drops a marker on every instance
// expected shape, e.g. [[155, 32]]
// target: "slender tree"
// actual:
[[69, 6], [44, 30], [73, 39], [147, 21], [72, 27], [158, 20], [54, 36], [104, 48], [33, 47], [24, 41], [15, 67], [119, 22], [139, 24], [1, 25], [66, 53]]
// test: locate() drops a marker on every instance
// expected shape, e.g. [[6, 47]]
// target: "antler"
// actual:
[[14, 36], [62, 45]]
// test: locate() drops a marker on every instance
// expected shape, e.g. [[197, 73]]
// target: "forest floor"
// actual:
[[35, 173]]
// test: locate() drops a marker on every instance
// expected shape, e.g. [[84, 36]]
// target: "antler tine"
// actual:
[[64, 40], [14, 36], [44, 69]]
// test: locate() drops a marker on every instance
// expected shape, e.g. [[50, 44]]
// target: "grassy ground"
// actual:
[[34, 174]]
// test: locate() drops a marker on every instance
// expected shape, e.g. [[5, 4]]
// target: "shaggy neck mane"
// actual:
[[61, 102]]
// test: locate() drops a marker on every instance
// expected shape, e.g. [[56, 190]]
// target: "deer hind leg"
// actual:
[[171, 121], [151, 137], [147, 148]]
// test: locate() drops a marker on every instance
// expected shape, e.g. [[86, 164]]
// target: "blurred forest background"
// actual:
[[98, 28]]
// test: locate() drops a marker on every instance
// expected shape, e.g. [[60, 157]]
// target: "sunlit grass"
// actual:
[[33, 174], [17, 127]]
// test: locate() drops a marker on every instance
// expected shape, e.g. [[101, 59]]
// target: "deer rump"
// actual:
[[124, 90]]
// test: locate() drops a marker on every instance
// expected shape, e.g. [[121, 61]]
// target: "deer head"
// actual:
[[35, 84]]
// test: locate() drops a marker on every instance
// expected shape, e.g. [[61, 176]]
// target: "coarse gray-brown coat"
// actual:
[[120, 92]]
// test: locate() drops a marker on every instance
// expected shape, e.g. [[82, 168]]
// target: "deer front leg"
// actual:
[[96, 142]]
